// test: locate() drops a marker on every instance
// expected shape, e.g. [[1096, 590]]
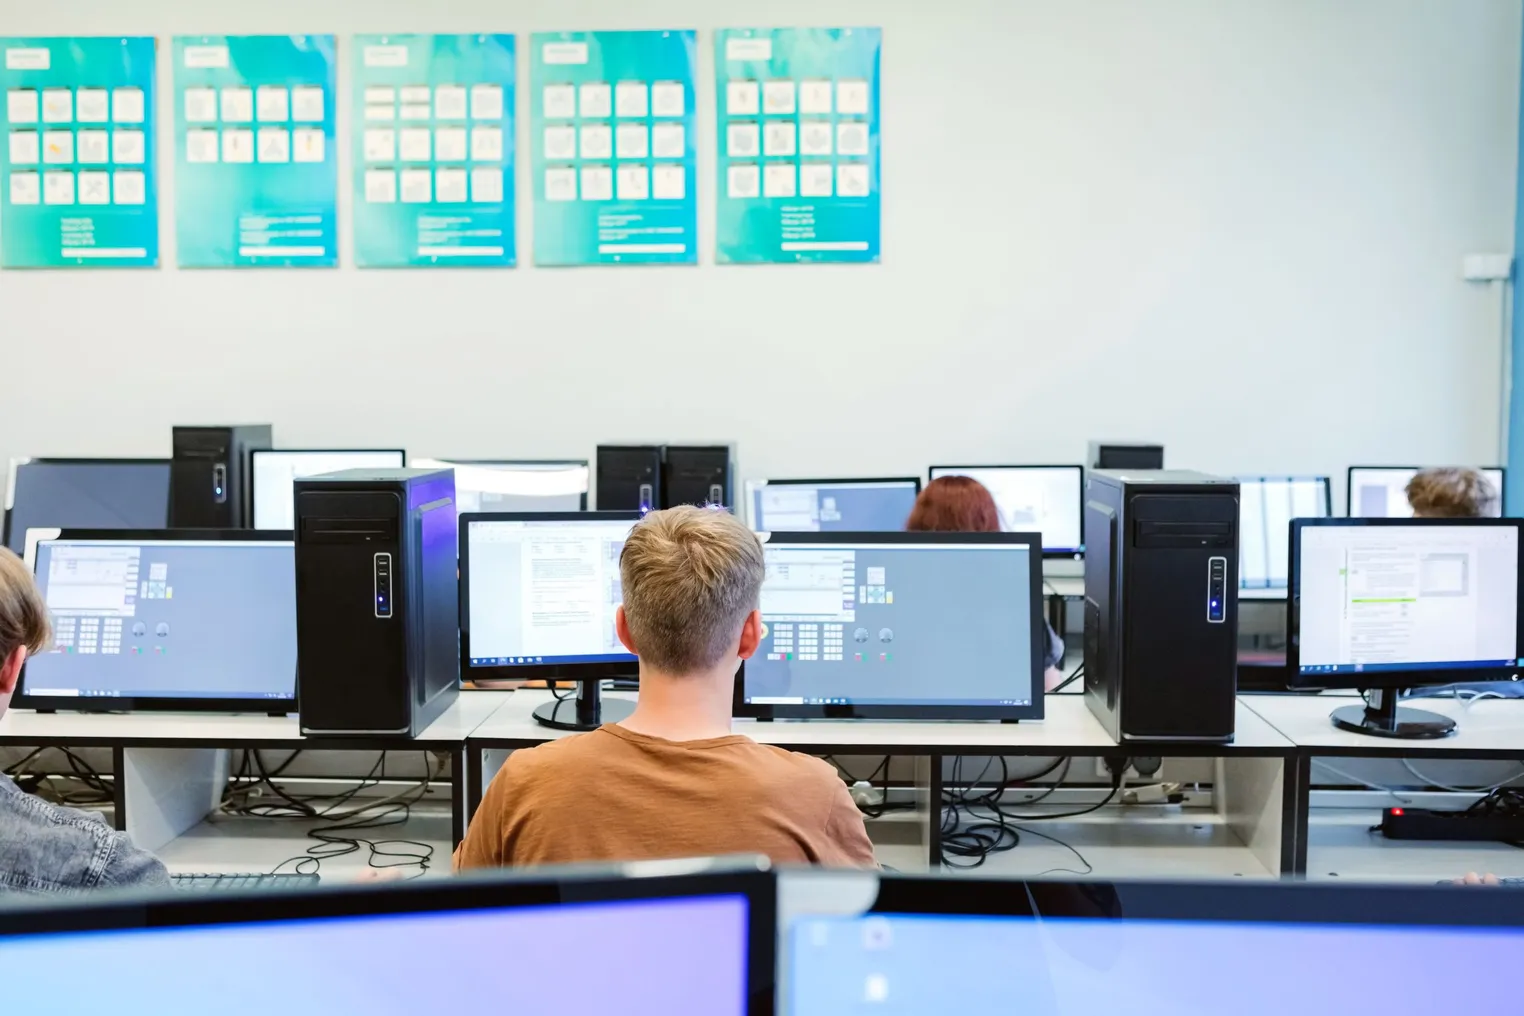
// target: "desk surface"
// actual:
[[1489, 728], [25, 727], [1069, 728]]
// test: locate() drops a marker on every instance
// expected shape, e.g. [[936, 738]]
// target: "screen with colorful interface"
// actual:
[[886, 624], [166, 619]]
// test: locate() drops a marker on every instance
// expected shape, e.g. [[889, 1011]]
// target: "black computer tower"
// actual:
[[1125, 455], [629, 478], [697, 474], [1161, 604], [209, 476], [377, 610]]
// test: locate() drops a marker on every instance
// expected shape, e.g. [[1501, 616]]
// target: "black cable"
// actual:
[[1089, 868], [1079, 672]]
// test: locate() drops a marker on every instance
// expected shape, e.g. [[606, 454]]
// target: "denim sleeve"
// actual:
[[129, 867], [1055, 654]]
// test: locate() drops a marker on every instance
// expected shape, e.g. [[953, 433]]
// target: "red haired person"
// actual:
[[961, 504]]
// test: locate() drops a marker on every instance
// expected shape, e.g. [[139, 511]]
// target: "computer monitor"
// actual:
[[170, 619], [617, 940], [1035, 499], [506, 485], [538, 592], [829, 506], [899, 626], [84, 494], [1078, 948], [1388, 604], [276, 471], [1266, 506], [1381, 492]]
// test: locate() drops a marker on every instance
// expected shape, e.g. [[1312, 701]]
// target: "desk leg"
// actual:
[[928, 790], [167, 791], [459, 779], [118, 790], [1251, 796], [474, 784], [1297, 801]]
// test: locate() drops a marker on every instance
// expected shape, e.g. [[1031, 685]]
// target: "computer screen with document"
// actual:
[[825, 506], [1381, 492], [1267, 504], [515, 486], [1041, 499]]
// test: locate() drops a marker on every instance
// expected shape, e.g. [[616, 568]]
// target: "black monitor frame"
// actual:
[[545, 887], [448, 461], [105, 704], [1349, 485], [17, 463], [1075, 554], [1038, 634], [844, 481], [257, 452]]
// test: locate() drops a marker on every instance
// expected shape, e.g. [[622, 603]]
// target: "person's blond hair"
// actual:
[[690, 577], [1451, 493], [23, 614]]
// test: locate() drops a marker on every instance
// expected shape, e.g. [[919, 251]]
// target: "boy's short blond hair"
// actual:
[[1451, 493], [23, 614], [690, 577]]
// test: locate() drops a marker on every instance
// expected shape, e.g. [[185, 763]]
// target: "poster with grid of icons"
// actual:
[[78, 162], [613, 147], [799, 145], [256, 174], [433, 150]]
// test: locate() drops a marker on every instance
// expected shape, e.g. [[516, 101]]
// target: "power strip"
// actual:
[[1424, 824]]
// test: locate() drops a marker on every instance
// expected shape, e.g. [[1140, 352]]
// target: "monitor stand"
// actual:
[[1382, 718], [585, 711]]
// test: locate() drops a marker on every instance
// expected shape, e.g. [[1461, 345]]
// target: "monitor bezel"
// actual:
[[1060, 554], [148, 912], [1422, 677], [56, 703], [27, 460], [1349, 485], [763, 481], [907, 711], [527, 671], [448, 461], [1274, 592], [254, 455]]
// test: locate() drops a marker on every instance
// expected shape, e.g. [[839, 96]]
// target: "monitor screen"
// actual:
[[1266, 506], [543, 592], [660, 956], [896, 627], [900, 964], [276, 472], [85, 494], [1381, 492], [1405, 598], [1042, 499], [826, 506], [515, 486], [170, 620]]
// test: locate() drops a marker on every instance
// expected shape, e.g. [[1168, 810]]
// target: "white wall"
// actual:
[[1235, 226]]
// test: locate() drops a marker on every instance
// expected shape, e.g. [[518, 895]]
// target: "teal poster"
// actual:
[[256, 177], [77, 185], [433, 150], [612, 129], [799, 144]]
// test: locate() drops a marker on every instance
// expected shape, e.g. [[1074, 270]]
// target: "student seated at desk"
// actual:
[[45, 848], [961, 504], [672, 780]]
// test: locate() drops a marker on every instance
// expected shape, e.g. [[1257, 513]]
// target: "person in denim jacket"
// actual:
[[46, 849]]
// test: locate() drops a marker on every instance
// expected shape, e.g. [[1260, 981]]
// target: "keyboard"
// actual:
[[203, 883]]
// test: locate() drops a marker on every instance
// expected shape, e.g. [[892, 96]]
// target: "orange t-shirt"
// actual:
[[615, 795]]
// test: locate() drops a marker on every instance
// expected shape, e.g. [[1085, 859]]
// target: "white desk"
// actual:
[[1338, 843], [1253, 774], [171, 768]]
